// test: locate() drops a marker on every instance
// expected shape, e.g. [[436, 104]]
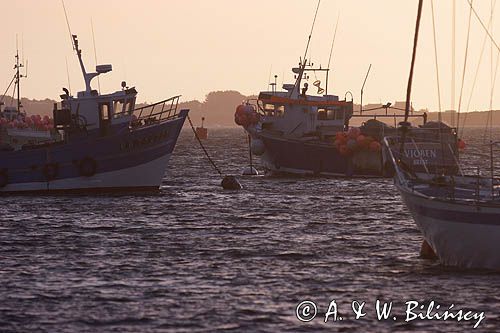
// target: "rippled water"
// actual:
[[196, 258]]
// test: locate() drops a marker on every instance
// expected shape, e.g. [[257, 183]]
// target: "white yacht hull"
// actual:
[[462, 234]]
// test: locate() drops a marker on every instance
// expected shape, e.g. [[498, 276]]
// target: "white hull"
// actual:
[[465, 237], [148, 175]]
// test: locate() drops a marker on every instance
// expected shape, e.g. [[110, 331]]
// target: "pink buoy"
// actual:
[[353, 132], [375, 146]]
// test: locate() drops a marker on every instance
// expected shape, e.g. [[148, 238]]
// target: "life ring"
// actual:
[[4, 178], [87, 167], [50, 170]]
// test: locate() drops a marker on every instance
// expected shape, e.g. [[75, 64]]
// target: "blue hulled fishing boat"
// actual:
[[106, 143]]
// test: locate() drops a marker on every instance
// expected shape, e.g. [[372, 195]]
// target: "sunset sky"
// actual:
[[192, 47]]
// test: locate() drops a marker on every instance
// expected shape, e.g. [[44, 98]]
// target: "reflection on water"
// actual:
[[196, 258]]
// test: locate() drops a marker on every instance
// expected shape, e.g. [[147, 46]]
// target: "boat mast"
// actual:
[[18, 82], [302, 66], [410, 78]]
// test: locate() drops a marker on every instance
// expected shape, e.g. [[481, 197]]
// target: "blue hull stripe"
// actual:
[[452, 216]]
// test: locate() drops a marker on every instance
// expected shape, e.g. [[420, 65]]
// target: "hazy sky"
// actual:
[[192, 47]]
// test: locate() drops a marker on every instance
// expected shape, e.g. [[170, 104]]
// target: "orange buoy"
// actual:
[[426, 251], [461, 144]]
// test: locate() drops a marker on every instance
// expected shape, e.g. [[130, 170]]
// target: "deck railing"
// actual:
[[155, 113]]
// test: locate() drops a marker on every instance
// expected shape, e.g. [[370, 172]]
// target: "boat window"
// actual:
[[274, 110], [322, 114], [118, 106], [104, 111], [269, 107], [331, 113]]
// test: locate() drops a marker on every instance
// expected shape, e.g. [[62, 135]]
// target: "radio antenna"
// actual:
[[67, 73], [312, 29], [331, 52], [69, 28], [95, 53], [302, 66]]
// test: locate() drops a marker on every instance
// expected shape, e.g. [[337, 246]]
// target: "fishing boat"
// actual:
[[16, 127], [299, 132], [458, 214], [106, 143]]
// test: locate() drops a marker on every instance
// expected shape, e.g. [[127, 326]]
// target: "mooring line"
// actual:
[[203, 147]]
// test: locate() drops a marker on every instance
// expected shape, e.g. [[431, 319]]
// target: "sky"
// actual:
[[192, 47]]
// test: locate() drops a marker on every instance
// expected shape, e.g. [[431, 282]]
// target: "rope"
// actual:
[[465, 65], [436, 58], [437, 81], [477, 73], [6, 90], [203, 147]]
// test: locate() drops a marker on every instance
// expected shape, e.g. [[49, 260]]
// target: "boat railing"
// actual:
[[483, 188], [155, 113]]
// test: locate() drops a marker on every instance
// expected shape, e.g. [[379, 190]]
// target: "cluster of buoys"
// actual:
[[246, 115], [352, 140], [461, 144], [34, 122]]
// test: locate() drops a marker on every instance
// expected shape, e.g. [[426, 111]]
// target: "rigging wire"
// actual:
[[437, 82], [494, 76], [465, 65], [484, 27], [312, 29], [7, 90], [436, 59], [489, 121], [95, 53], [333, 40], [477, 72], [453, 57]]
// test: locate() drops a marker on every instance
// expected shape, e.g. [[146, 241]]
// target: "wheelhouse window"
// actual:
[[104, 108], [330, 113], [274, 110], [118, 106]]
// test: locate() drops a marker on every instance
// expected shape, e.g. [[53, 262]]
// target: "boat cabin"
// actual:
[[304, 115]]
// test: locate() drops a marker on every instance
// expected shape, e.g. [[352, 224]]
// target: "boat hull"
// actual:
[[293, 156], [130, 160], [462, 234]]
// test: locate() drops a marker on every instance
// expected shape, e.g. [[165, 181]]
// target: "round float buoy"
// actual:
[[250, 171], [352, 144], [87, 167], [230, 183], [4, 178], [375, 146], [50, 170], [344, 150]]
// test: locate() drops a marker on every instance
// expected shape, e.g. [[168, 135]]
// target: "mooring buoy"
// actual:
[[231, 183], [250, 171]]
